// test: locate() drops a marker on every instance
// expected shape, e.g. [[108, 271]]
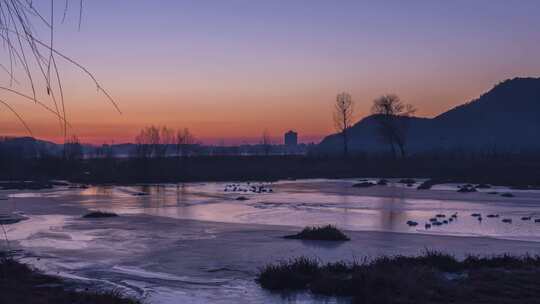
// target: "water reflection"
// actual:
[[319, 202], [173, 261]]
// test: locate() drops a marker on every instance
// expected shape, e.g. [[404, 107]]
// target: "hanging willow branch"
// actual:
[[37, 57]]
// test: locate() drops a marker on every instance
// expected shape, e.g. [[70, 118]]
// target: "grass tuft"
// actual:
[[322, 233], [363, 185], [433, 277], [294, 274], [100, 214], [23, 285]]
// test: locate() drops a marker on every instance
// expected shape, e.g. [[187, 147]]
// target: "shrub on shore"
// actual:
[[322, 233], [100, 214], [23, 285], [430, 278]]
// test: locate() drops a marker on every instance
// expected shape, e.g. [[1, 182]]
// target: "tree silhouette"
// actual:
[[166, 138], [392, 118], [146, 142], [184, 141], [343, 117], [266, 142], [73, 149]]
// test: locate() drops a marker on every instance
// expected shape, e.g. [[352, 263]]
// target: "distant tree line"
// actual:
[[510, 169], [155, 142]]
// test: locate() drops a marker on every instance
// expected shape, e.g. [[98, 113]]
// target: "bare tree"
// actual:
[[73, 149], [343, 118], [106, 151], [146, 142], [155, 141], [266, 142], [142, 149], [166, 138], [184, 142], [392, 118]]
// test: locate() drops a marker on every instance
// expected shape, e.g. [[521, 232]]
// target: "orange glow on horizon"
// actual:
[[215, 118], [246, 69]]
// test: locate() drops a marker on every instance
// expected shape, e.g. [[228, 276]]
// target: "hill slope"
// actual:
[[507, 118]]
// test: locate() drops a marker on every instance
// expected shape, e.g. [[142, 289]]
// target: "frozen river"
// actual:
[[200, 243]]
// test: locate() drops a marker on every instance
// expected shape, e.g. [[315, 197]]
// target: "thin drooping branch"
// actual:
[[19, 117], [19, 20], [44, 106], [82, 68], [66, 6], [80, 13]]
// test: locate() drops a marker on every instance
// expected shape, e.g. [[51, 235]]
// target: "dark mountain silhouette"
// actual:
[[28, 146], [505, 119]]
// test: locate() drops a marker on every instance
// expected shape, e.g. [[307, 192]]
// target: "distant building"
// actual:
[[291, 139]]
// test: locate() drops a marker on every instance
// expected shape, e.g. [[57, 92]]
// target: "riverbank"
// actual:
[[432, 277], [516, 172], [22, 284]]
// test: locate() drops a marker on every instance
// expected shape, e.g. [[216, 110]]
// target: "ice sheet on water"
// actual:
[[142, 273]]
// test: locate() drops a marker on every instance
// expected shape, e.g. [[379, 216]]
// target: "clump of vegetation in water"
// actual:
[[382, 182], [483, 186], [363, 185], [323, 233], [23, 285], [468, 188], [407, 181], [433, 277], [100, 214], [426, 185]]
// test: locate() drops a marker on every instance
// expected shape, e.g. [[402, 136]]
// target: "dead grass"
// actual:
[[433, 277], [21, 284], [323, 233]]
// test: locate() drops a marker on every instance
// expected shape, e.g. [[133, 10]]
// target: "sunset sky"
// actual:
[[230, 69]]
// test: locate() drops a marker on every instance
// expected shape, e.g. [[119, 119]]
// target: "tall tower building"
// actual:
[[291, 138]]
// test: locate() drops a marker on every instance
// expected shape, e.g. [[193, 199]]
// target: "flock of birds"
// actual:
[[438, 220], [442, 219], [248, 187]]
